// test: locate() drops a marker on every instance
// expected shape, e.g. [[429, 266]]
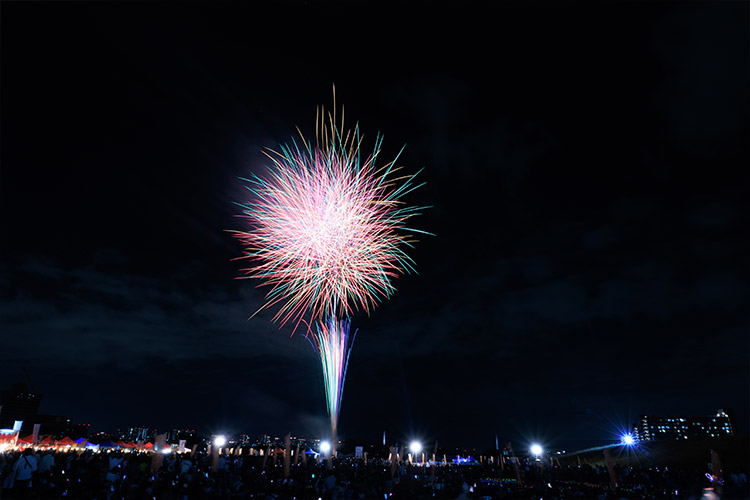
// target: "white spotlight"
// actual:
[[415, 447]]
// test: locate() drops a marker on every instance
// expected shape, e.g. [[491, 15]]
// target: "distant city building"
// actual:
[[100, 436], [136, 434], [18, 403], [78, 430], [660, 428], [55, 425], [263, 440], [176, 435]]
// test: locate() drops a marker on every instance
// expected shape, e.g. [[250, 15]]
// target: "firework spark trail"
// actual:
[[334, 346], [328, 230]]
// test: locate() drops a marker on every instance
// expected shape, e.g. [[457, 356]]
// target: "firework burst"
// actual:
[[328, 231]]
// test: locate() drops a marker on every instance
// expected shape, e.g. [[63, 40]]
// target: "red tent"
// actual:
[[130, 444], [121, 444], [148, 446], [28, 439], [66, 441], [46, 440]]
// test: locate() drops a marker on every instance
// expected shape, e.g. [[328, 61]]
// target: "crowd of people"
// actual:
[[115, 475]]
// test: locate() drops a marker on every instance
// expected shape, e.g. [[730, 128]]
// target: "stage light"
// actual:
[[325, 446], [627, 439], [536, 450], [220, 441], [415, 447]]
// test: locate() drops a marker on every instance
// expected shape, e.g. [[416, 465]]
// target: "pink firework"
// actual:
[[327, 230]]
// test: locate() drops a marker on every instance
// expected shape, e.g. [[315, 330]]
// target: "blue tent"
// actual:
[[108, 444]]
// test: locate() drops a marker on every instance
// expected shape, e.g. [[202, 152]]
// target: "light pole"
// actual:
[[325, 448], [415, 447], [219, 441]]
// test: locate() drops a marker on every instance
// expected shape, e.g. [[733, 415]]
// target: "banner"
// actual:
[[287, 447], [160, 442], [158, 457], [611, 468], [214, 458], [358, 452], [716, 466], [35, 435], [181, 447], [434, 464], [515, 463]]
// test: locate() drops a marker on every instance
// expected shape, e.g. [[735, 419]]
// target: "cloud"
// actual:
[[99, 316]]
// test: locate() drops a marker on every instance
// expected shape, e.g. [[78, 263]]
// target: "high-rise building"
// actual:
[[55, 425], [176, 435], [136, 434], [79, 430], [18, 403], [659, 428]]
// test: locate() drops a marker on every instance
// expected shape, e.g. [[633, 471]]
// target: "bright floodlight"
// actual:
[[536, 449], [628, 439], [325, 446], [220, 441], [415, 447]]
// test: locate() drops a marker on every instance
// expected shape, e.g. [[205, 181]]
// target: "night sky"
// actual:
[[586, 165]]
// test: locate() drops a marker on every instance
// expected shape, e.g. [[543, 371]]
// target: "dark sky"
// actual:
[[586, 165]]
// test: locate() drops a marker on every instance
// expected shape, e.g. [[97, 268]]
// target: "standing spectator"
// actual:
[[23, 470], [47, 462]]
